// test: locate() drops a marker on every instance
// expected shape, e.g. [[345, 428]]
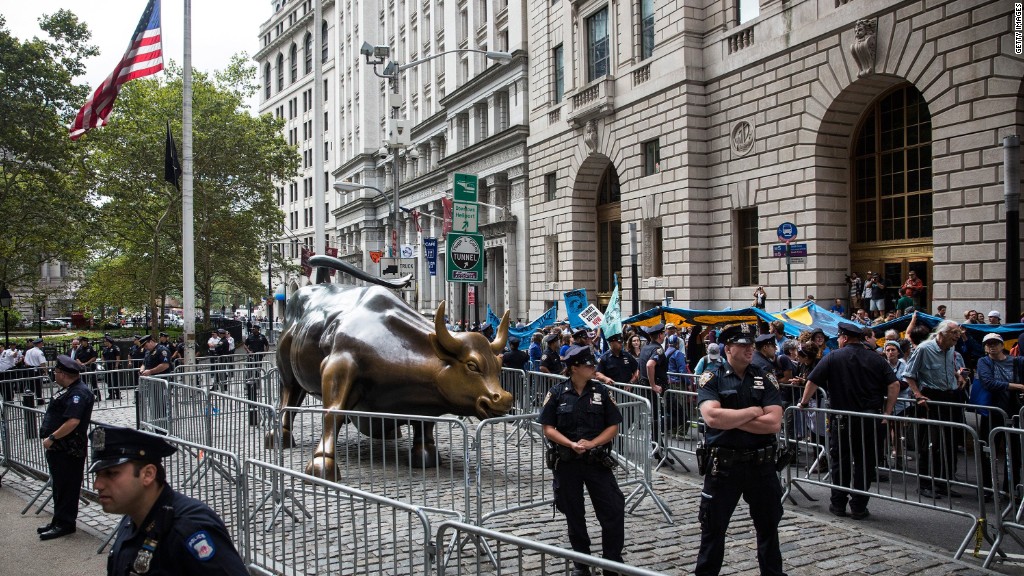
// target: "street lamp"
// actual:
[[343, 186], [377, 55], [5, 303]]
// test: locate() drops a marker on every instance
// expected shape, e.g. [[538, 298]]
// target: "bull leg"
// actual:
[[292, 395], [336, 373], [424, 449]]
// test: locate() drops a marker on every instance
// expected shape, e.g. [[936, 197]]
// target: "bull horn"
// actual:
[[444, 337], [501, 336]]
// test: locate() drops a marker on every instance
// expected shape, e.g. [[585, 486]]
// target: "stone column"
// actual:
[[435, 149]]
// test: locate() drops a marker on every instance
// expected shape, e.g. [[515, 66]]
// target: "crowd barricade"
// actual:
[[510, 476], [23, 449], [154, 409], [340, 530], [385, 463], [805, 432], [513, 555], [114, 382], [1008, 497], [856, 437], [634, 444], [681, 425], [241, 426], [14, 385]]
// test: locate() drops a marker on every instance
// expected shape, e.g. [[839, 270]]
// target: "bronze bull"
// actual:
[[365, 349]]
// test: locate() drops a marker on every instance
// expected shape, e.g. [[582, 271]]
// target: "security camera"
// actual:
[[383, 152], [382, 52]]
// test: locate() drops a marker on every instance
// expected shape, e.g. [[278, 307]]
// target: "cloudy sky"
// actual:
[[220, 28]]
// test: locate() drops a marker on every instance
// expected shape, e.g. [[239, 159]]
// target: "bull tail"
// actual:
[[322, 261]]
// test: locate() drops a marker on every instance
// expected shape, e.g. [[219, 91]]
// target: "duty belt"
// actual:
[[759, 455]]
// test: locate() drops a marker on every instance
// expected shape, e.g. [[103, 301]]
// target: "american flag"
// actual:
[[143, 58]]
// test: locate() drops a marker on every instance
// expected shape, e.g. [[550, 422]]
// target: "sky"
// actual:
[[220, 28]]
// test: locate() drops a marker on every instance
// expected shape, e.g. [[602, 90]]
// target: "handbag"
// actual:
[[980, 396]]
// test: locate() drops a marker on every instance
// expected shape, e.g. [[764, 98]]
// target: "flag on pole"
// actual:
[[612, 323], [172, 168], [446, 204], [415, 215], [143, 58]]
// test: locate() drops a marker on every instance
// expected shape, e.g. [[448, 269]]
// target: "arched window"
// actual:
[[308, 43], [892, 170], [280, 72], [266, 81], [323, 42], [609, 231], [293, 60]]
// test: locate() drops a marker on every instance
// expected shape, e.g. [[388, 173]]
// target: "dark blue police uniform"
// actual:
[[550, 358], [111, 360], [66, 457], [619, 367], [583, 416], [654, 351], [85, 354], [740, 464]]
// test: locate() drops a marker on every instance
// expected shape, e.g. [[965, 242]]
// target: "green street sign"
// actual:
[[464, 257], [465, 188]]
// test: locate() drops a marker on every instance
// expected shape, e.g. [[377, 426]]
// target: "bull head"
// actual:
[[453, 346]]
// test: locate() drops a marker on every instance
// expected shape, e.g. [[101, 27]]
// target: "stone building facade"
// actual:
[[875, 126]]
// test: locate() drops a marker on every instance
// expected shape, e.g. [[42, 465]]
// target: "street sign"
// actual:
[[464, 257], [393, 268], [795, 250], [465, 216], [430, 253], [464, 188], [787, 232]]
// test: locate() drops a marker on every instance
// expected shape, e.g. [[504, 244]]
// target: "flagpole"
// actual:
[[319, 211], [188, 272]]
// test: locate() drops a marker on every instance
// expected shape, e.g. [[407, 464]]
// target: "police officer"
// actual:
[[63, 432], [222, 350], [157, 359], [550, 361], [163, 531], [654, 373], [580, 419], [256, 342], [513, 357], [136, 355], [857, 380], [111, 355], [87, 357], [616, 365], [742, 410], [765, 347]]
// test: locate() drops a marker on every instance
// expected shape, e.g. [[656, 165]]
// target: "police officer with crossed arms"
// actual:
[[742, 411], [580, 419], [163, 531]]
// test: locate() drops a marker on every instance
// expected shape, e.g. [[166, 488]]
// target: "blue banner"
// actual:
[[526, 332], [576, 302], [430, 251], [612, 323]]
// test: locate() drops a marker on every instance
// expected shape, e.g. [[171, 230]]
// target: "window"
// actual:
[[597, 45], [609, 231], [308, 53], [293, 61], [657, 251], [652, 157], [324, 47], [647, 28], [280, 72], [892, 170], [747, 10], [550, 186], [266, 81], [551, 259], [558, 64], [746, 246]]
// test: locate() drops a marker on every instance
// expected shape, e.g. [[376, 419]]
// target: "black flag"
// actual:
[[172, 169]]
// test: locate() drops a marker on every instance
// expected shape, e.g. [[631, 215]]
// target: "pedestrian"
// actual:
[[995, 318], [163, 531], [35, 360], [221, 350], [856, 289], [653, 363], [932, 375], [111, 355], [857, 379], [1002, 378], [536, 349], [760, 298], [874, 293], [63, 431], [617, 365], [711, 361], [513, 357], [580, 419], [7, 361], [742, 412]]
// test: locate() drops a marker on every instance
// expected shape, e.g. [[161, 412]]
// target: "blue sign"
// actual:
[[787, 231], [795, 250], [430, 251]]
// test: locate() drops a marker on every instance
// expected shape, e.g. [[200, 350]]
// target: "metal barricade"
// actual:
[[855, 439], [240, 426], [514, 555], [1008, 519], [154, 406], [510, 476], [342, 530], [375, 452]]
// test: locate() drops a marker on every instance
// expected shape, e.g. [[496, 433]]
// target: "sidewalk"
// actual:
[[24, 553]]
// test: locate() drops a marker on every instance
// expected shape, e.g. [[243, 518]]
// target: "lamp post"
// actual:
[[5, 303], [343, 186], [377, 55]]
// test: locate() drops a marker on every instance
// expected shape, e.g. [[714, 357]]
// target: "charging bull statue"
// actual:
[[365, 349]]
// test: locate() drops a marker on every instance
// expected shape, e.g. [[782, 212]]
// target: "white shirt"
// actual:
[[6, 360], [212, 342], [35, 357], [231, 344]]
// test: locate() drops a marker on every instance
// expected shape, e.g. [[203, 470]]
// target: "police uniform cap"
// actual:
[[136, 337], [764, 339], [37, 341], [851, 329], [738, 334], [221, 331], [614, 338], [550, 337], [108, 338], [581, 333], [163, 334], [145, 339], [256, 327], [513, 341], [66, 364], [579, 356], [655, 330], [113, 446]]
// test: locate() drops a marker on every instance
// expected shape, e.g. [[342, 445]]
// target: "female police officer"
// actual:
[[581, 419]]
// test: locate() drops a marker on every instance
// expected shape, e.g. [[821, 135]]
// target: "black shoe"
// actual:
[[859, 514], [46, 528], [928, 493], [56, 532], [948, 492], [837, 511]]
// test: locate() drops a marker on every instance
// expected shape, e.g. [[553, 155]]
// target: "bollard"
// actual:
[[28, 399], [251, 386]]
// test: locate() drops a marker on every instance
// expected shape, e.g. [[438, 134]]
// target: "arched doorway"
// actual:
[[891, 192], [609, 234]]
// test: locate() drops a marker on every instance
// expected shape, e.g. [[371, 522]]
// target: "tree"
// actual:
[[237, 159], [44, 188]]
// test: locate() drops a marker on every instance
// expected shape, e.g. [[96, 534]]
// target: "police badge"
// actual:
[[771, 378], [99, 438], [705, 378], [142, 560]]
